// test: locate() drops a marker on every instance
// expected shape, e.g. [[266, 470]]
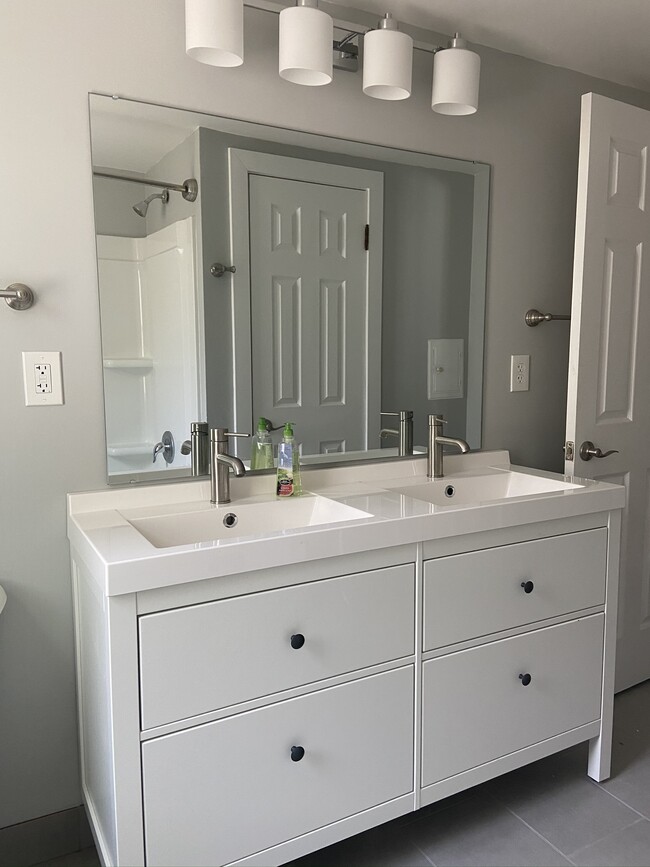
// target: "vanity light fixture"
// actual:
[[214, 31], [306, 40], [308, 51], [456, 73], [387, 61]]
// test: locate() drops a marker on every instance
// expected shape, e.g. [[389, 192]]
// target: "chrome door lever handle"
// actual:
[[588, 451]]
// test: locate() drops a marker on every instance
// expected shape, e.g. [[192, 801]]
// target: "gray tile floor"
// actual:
[[549, 813]]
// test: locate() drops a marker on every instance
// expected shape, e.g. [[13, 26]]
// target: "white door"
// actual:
[[609, 360], [313, 287], [308, 310]]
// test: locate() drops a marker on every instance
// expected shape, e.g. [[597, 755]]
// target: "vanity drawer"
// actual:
[[480, 593], [476, 708], [217, 654], [221, 791]]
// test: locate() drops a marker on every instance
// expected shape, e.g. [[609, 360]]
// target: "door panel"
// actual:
[[309, 271], [610, 351]]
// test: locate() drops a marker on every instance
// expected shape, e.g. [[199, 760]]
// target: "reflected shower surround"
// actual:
[[215, 36]]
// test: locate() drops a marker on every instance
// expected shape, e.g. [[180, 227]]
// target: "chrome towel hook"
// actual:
[[18, 296]]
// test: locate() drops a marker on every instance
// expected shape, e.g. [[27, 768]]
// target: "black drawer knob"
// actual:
[[297, 641], [297, 753], [528, 586], [525, 679]]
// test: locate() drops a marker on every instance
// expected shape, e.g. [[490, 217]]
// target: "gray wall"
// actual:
[[114, 214], [527, 128]]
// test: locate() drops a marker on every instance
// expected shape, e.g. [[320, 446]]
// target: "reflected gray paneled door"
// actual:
[[608, 396], [309, 310]]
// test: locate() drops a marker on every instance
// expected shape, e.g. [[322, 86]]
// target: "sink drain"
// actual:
[[450, 490], [230, 520]]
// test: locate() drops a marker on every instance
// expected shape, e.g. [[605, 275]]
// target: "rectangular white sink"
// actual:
[[205, 523], [483, 487]]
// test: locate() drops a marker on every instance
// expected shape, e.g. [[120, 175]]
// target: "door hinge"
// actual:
[[569, 448], [366, 237]]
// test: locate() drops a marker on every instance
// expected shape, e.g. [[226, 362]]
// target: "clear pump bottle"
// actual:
[[289, 482]]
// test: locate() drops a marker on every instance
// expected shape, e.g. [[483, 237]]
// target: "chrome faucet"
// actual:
[[436, 442], [404, 432], [198, 446], [221, 463]]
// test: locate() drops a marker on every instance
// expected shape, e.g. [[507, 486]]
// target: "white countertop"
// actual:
[[123, 561]]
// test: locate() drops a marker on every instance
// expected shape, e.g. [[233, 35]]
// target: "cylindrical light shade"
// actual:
[[214, 31], [456, 73], [387, 62], [306, 38]]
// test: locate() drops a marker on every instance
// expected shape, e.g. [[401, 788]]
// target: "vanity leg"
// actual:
[[600, 748], [600, 757]]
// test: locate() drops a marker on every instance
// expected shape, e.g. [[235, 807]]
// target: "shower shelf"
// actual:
[[124, 450], [135, 364]]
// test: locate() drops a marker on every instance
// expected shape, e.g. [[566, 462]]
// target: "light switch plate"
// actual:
[[42, 378]]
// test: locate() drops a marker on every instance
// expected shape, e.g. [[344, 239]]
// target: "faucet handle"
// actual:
[[402, 414], [434, 418], [220, 433]]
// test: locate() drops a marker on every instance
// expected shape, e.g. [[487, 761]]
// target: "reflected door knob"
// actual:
[[588, 451]]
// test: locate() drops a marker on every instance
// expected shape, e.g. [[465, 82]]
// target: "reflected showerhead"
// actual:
[[142, 207]]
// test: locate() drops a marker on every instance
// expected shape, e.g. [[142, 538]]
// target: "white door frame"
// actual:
[[242, 163]]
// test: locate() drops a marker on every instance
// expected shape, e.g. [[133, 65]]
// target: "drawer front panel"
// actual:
[[210, 656], [476, 708], [227, 789], [476, 594]]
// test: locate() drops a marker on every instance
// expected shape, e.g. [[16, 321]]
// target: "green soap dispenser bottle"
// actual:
[[289, 483], [262, 447]]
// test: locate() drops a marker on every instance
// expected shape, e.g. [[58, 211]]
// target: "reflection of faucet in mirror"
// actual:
[[166, 446], [221, 462], [405, 431], [436, 442], [198, 447]]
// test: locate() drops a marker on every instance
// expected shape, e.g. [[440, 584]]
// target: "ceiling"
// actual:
[[605, 38]]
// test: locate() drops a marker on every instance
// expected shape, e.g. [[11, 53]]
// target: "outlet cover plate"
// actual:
[[519, 372], [42, 378]]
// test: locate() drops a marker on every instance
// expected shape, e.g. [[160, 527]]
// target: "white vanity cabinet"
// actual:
[[255, 714]]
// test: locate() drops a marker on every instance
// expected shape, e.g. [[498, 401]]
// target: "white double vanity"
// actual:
[[262, 679]]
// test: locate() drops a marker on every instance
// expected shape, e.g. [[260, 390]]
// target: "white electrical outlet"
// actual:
[[519, 372], [42, 378]]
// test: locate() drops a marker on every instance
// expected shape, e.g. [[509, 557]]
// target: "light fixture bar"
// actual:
[[358, 21]]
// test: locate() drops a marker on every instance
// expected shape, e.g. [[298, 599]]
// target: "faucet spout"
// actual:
[[460, 444], [436, 442], [233, 462]]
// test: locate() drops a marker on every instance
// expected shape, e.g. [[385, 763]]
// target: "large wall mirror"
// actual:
[[358, 287]]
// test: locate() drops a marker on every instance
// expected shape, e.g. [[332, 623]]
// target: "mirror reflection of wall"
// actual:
[[428, 331]]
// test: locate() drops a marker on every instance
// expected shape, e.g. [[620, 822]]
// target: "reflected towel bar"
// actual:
[[534, 317]]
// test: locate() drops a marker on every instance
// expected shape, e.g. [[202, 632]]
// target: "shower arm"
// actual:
[[189, 188]]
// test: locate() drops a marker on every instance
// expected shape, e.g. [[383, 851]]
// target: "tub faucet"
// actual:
[[404, 432], [221, 463], [436, 442]]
